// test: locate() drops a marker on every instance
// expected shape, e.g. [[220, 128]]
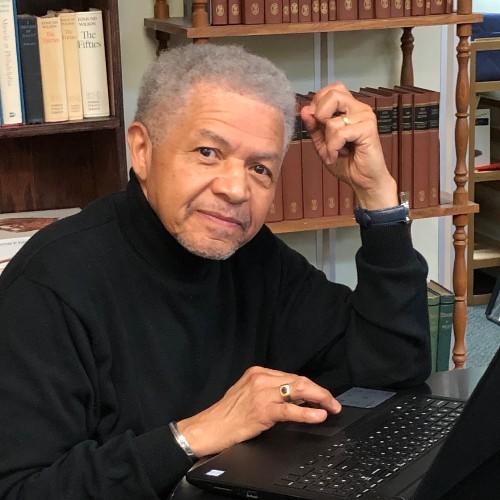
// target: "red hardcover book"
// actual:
[[294, 11], [304, 11], [323, 10], [438, 6], [234, 12], [427, 7], [407, 8], [346, 198], [394, 166], [383, 110], [330, 193], [315, 14], [286, 11], [253, 12], [312, 171], [366, 9], [418, 7], [382, 9], [219, 12], [449, 6], [434, 150], [273, 11], [397, 8], [405, 142], [276, 211], [347, 10], [332, 10], [291, 172], [421, 142]]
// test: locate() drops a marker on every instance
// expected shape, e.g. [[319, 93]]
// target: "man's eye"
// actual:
[[262, 170], [207, 152]]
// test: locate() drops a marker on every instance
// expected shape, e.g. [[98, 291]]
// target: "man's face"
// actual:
[[212, 180]]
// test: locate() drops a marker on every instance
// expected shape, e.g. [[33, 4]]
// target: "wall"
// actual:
[[358, 58]]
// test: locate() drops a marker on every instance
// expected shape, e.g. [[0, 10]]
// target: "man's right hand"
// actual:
[[253, 405]]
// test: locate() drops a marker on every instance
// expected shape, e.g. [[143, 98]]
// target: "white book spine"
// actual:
[[92, 64], [71, 65], [10, 79]]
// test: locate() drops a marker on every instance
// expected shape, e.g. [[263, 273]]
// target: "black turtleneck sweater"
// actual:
[[110, 329]]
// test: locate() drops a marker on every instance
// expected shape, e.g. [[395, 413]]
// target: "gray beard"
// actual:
[[212, 255]]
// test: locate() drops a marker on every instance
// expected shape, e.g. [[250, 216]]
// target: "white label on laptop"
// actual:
[[214, 472], [361, 397]]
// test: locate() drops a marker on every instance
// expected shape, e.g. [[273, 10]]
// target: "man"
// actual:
[[172, 304]]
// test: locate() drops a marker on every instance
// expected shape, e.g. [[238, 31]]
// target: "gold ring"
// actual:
[[346, 120], [286, 393]]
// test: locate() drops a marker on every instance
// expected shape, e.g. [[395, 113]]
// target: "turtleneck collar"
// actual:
[[149, 237]]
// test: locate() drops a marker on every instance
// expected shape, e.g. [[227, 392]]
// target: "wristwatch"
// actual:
[[399, 214]]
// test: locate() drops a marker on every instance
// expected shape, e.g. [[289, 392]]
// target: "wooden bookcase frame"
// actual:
[[484, 252], [196, 27], [67, 164]]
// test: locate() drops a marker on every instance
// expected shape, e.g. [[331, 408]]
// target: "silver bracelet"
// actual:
[[181, 440]]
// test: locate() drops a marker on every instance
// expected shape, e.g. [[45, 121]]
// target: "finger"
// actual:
[[335, 102], [304, 389], [292, 413]]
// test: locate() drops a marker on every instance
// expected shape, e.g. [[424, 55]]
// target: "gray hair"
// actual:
[[168, 80]]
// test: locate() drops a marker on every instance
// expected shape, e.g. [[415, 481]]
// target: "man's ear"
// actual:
[[141, 150]]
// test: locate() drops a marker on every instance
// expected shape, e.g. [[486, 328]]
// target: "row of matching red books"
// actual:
[[305, 11], [408, 127]]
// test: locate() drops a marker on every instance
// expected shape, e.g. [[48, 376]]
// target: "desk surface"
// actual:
[[454, 384]]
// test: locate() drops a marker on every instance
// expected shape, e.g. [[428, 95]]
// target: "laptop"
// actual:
[[412, 446]]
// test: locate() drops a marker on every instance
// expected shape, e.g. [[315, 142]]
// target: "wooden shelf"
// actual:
[[486, 252], [179, 26], [107, 123], [487, 175], [485, 86], [293, 226], [479, 299]]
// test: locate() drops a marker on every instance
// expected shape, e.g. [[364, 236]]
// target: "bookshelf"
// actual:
[[483, 254], [459, 207], [67, 164]]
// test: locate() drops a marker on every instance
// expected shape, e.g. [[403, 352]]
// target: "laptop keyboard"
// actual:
[[354, 467]]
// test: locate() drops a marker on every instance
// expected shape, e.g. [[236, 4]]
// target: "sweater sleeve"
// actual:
[[50, 445], [376, 335]]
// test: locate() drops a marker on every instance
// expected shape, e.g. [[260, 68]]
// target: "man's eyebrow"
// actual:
[[209, 134]]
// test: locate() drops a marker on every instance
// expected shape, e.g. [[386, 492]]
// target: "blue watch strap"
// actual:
[[386, 216]]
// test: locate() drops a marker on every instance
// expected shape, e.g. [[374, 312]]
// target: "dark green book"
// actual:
[[445, 329], [433, 300]]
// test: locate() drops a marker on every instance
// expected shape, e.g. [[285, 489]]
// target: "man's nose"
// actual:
[[232, 182]]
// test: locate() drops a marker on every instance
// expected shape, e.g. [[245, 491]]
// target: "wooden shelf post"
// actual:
[[407, 44]]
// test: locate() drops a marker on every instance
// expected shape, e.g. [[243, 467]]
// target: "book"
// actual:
[[291, 172], [383, 110], [273, 11], [323, 8], [332, 10], [366, 9], [286, 11], [330, 193], [397, 8], [407, 8], [347, 10], [252, 12], [219, 14], [382, 9], [234, 12], [305, 11], [449, 6], [71, 65], [294, 11], [17, 228], [55, 103], [93, 70], [405, 142], [315, 11], [433, 310], [275, 213], [438, 6], [30, 68], [427, 7], [10, 67], [445, 328], [418, 7]]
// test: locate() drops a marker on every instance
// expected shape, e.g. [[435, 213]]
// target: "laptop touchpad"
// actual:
[[332, 425]]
